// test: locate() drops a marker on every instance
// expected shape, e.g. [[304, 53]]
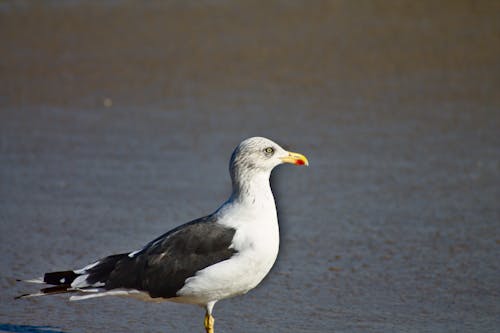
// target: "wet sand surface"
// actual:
[[117, 122]]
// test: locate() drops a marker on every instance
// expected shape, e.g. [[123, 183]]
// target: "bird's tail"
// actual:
[[61, 282], [91, 278]]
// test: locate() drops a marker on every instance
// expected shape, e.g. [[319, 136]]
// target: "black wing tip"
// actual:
[[60, 278], [61, 282]]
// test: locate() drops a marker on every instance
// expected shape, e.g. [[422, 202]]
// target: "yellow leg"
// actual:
[[209, 323]]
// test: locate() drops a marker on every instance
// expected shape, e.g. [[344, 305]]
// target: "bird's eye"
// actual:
[[269, 150]]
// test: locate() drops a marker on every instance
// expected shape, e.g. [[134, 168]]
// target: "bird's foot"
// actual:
[[209, 323]]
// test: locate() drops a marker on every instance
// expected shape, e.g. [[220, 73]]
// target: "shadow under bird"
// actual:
[[218, 256]]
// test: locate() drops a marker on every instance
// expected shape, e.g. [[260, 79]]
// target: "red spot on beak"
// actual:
[[299, 162]]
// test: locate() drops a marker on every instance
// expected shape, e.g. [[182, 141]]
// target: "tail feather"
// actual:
[[38, 280], [88, 278], [57, 289], [61, 282], [62, 289]]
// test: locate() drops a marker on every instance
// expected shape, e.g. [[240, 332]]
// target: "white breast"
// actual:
[[256, 242]]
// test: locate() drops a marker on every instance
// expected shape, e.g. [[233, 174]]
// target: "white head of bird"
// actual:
[[255, 158]]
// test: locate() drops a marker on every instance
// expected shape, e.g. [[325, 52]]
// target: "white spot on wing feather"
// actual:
[[80, 282], [132, 254], [86, 268]]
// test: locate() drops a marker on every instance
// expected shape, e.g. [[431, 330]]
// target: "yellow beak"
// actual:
[[295, 158]]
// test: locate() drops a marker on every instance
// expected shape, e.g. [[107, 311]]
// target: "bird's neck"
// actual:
[[253, 190]]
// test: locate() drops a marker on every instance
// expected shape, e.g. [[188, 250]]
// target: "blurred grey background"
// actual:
[[117, 120]]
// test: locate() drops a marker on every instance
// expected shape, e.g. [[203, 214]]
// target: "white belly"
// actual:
[[255, 256]]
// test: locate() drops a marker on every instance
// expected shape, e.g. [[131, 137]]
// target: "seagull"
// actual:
[[221, 255]]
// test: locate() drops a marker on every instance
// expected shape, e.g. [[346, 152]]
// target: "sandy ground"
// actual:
[[117, 120]]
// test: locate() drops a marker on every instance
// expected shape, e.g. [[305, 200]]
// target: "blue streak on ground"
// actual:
[[28, 329]]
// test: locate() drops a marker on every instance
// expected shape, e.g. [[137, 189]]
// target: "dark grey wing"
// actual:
[[162, 267]]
